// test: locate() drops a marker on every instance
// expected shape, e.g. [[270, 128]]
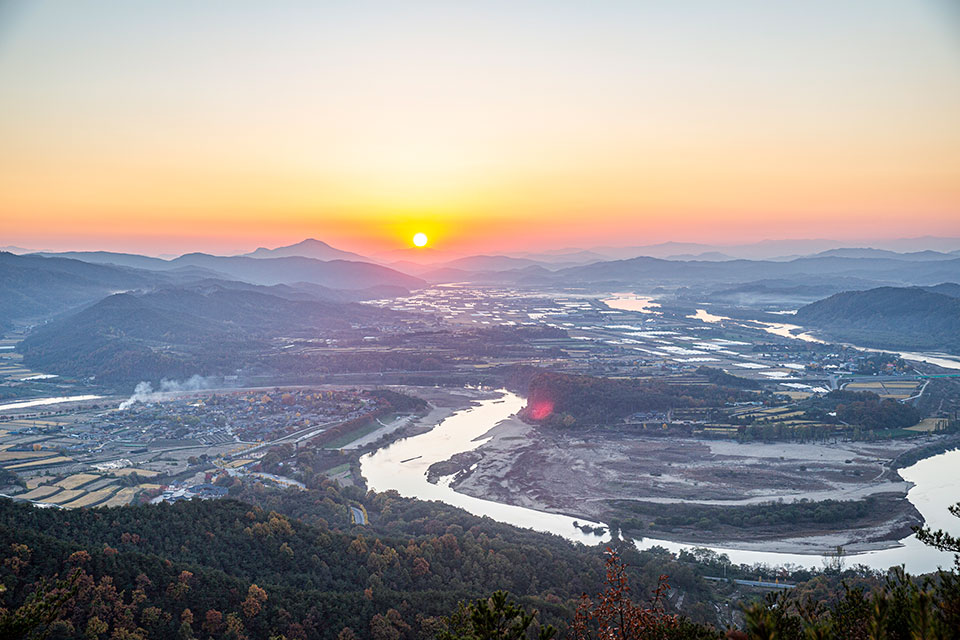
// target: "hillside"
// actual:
[[646, 269], [310, 261], [888, 317], [178, 332], [35, 286], [143, 567], [309, 248]]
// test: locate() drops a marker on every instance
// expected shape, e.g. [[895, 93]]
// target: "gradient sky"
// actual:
[[493, 126]]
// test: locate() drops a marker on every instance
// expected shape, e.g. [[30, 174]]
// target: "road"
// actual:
[[754, 583], [359, 517]]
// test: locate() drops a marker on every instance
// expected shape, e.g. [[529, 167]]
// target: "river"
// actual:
[[39, 402], [402, 466], [631, 302]]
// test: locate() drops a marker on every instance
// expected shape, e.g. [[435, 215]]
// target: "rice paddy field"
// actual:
[[86, 489], [143, 473], [895, 389]]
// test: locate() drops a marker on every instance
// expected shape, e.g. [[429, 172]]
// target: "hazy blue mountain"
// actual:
[[531, 275], [179, 331], [303, 290], [888, 317], [884, 253], [309, 248], [779, 250], [653, 270], [110, 257], [570, 257], [710, 256], [35, 286], [416, 255], [336, 274], [490, 263], [951, 289]]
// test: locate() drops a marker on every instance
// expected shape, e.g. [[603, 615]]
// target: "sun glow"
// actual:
[[420, 239]]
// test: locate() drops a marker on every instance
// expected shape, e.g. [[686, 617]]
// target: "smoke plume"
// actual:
[[144, 392]]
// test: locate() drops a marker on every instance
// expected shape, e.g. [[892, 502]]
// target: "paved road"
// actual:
[[755, 583], [358, 516]]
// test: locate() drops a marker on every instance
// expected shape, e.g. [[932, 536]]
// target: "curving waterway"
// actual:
[[402, 466], [42, 402]]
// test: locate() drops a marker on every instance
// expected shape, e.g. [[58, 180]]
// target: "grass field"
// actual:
[[929, 424], [91, 498], [143, 473], [340, 468], [76, 480], [39, 492], [121, 498], [36, 481], [356, 434], [39, 463], [7, 456], [65, 496]]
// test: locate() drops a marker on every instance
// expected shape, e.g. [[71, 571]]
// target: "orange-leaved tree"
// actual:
[[614, 616]]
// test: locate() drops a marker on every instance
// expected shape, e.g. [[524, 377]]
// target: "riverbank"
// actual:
[[609, 477]]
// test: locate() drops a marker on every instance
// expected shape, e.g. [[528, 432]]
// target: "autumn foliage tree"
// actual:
[[613, 615]]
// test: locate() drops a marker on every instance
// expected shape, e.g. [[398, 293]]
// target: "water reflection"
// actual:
[[630, 302], [40, 402], [403, 465]]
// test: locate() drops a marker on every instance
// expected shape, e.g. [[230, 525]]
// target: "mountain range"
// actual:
[[335, 273], [179, 331], [309, 248], [33, 287]]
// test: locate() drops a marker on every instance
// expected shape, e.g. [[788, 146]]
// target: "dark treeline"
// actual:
[[564, 400], [230, 570], [250, 572], [707, 518], [862, 409]]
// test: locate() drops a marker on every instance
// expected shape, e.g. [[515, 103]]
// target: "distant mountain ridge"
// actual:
[[309, 248], [33, 286], [889, 317], [179, 331], [336, 274]]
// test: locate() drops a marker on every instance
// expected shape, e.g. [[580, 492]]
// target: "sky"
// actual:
[[165, 127]]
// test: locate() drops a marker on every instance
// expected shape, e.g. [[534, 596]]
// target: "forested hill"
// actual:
[[34, 286], [889, 317], [562, 399], [148, 569], [177, 332]]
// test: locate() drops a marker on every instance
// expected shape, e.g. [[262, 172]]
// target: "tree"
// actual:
[[940, 539], [614, 616], [32, 619], [254, 602], [494, 618]]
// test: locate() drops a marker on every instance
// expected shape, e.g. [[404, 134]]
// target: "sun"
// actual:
[[420, 239]]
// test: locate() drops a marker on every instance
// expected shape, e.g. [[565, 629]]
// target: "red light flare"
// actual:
[[540, 409]]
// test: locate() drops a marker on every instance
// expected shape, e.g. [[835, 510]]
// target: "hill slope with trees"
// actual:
[[888, 317]]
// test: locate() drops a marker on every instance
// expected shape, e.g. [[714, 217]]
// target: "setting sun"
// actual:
[[420, 239]]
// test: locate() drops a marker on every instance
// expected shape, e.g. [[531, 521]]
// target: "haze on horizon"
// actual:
[[492, 127]]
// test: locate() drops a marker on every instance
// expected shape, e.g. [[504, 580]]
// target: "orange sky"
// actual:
[[172, 127]]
